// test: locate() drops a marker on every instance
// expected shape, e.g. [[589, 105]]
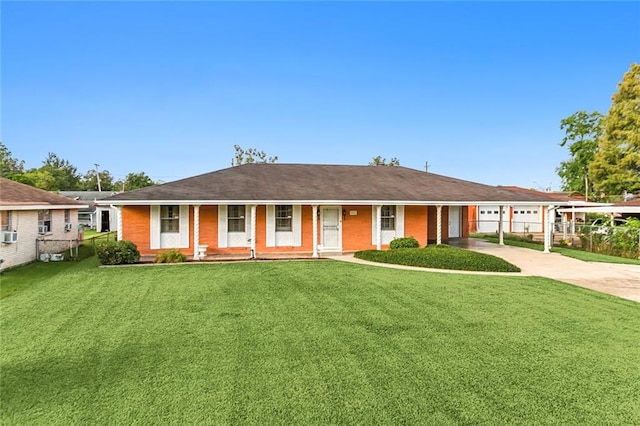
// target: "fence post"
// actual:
[[37, 249]]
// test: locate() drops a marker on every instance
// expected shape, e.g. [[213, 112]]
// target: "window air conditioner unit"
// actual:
[[68, 226], [43, 229], [9, 237]]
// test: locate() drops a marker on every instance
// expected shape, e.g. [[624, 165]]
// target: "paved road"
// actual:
[[618, 280]]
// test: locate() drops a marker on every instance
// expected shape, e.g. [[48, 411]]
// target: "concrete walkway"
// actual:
[[618, 280]]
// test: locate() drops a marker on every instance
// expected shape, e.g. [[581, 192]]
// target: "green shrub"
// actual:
[[439, 257], [406, 242], [117, 252], [170, 256]]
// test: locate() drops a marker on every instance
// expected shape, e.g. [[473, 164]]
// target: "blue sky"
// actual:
[[476, 89]]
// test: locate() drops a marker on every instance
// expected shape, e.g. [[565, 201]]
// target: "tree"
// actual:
[[10, 167], [381, 161], [90, 182], [582, 132], [251, 155], [616, 164], [135, 181], [55, 174]]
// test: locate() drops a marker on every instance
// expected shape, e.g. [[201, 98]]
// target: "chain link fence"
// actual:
[[48, 250]]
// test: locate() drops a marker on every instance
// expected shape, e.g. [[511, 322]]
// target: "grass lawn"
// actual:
[[569, 252], [310, 342]]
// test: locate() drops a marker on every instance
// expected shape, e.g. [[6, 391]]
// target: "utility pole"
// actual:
[[426, 167], [98, 176]]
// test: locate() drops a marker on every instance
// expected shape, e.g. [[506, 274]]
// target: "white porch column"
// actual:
[[314, 213], [119, 223], [378, 227], [253, 230], [547, 229], [500, 225], [196, 232], [438, 224]]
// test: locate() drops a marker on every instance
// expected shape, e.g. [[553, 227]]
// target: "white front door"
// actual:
[[454, 222], [331, 232]]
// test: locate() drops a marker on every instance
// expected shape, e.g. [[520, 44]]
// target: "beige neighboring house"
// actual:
[[29, 214]]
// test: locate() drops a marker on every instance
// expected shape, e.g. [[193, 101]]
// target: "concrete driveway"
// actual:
[[618, 280]]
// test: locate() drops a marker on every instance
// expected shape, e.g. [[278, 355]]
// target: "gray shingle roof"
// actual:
[[311, 182]]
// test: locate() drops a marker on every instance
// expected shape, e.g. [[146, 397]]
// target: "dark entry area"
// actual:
[[104, 221]]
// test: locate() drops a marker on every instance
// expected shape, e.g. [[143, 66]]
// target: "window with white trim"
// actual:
[[44, 221], [235, 219], [284, 218], [5, 221], [170, 219], [67, 216], [388, 218]]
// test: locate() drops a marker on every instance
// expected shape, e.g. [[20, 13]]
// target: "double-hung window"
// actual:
[[284, 218], [169, 218], [388, 218], [235, 218], [44, 221], [5, 221]]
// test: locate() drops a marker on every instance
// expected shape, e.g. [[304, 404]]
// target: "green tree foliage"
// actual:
[[582, 132], [616, 164], [55, 174], [381, 161], [10, 167], [135, 181], [250, 155], [89, 181]]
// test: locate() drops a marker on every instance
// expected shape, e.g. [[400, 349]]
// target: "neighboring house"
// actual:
[[526, 218], [625, 209], [29, 214], [100, 218], [303, 208]]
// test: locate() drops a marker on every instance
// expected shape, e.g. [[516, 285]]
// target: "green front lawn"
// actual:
[[318, 342]]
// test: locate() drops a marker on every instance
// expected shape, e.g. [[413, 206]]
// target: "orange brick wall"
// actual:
[[420, 222], [356, 230], [415, 223], [136, 226]]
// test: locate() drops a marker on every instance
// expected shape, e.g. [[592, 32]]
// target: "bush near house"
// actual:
[[170, 256], [440, 257], [117, 252], [406, 242]]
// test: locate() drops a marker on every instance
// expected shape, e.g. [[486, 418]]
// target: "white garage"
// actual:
[[527, 219], [489, 217]]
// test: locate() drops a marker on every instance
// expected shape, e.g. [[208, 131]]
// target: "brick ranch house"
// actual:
[[303, 209], [28, 214]]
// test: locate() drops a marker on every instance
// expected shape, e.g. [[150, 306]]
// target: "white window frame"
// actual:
[[388, 218], [284, 218], [6, 223], [44, 219], [170, 219], [237, 217]]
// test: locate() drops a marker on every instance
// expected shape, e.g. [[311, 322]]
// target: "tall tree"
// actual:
[[250, 155], [135, 181], [10, 167], [55, 174], [616, 164], [90, 181], [582, 132], [381, 161]]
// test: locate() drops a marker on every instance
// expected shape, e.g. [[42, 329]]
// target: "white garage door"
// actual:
[[488, 218], [527, 219]]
